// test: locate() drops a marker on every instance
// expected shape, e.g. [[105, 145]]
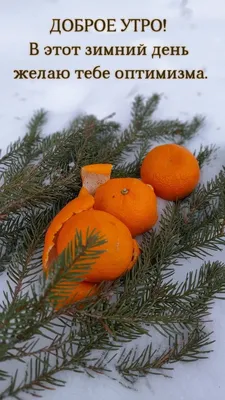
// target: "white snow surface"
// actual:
[[197, 24]]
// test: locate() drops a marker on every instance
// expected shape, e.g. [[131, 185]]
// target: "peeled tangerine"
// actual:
[[121, 250]]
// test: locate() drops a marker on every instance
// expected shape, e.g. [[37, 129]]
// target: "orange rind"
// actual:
[[81, 291], [94, 175], [121, 250], [83, 202]]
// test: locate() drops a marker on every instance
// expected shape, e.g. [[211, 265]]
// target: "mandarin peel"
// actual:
[[59, 233], [83, 202], [136, 254], [94, 175], [119, 252], [82, 292]]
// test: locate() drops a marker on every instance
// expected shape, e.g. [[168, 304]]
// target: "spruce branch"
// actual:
[[24, 151], [22, 317], [132, 366], [78, 258], [173, 307], [3, 375], [146, 301], [144, 129], [206, 154], [191, 228], [40, 373], [196, 294]]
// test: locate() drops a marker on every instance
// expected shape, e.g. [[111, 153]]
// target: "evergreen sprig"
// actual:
[[39, 175]]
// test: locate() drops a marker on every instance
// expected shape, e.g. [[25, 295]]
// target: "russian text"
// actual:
[[41, 74], [140, 50], [82, 25], [157, 74], [96, 73], [141, 25], [159, 51]]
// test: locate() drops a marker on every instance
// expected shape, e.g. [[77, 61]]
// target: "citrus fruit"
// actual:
[[83, 202], [172, 170], [120, 250], [80, 291], [131, 201]]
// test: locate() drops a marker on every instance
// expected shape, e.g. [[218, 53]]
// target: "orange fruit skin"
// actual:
[[172, 170], [80, 292], [84, 201], [120, 250], [93, 175], [136, 208]]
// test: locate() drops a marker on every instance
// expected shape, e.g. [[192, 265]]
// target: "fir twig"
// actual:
[[39, 175]]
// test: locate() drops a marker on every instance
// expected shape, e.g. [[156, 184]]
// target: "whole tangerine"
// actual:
[[172, 170], [131, 201]]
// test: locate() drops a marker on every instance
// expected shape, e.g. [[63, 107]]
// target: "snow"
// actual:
[[199, 25]]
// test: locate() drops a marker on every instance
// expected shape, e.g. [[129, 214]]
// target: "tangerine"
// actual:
[[131, 201], [172, 170], [120, 250], [80, 291]]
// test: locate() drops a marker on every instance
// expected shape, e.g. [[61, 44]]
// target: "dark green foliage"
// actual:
[[39, 175]]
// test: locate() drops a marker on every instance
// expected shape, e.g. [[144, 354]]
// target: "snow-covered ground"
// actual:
[[197, 24]]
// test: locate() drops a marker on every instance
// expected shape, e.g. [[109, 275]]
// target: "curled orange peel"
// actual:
[[94, 175], [83, 202]]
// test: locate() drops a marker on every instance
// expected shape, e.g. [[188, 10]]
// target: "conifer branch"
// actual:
[[206, 154], [133, 366], [39, 175]]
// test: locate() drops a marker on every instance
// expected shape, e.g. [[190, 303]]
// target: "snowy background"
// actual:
[[197, 24]]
